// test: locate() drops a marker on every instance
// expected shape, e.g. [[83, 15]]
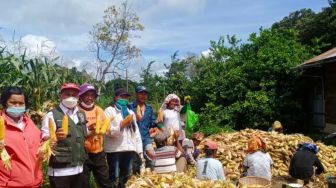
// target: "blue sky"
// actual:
[[170, 25]]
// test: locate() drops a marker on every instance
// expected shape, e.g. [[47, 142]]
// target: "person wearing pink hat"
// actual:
[[65, 168], [96, 162], [210, 168]]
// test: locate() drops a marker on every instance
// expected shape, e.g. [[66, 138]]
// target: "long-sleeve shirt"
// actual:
[[146, 122], [45, 132], [121, 139], [22, 144], [302, 163]]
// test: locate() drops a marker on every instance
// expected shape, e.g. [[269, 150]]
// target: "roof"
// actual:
[[325, 57]]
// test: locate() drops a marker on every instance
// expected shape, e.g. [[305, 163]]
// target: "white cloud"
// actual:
[[38, 46], [206, 53]]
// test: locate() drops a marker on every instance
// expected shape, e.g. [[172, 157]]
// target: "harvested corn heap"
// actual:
[[174, 180], [231, 152], [281, 147]]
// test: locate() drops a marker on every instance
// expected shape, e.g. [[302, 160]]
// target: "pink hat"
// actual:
[[69, 86], [210, 145]]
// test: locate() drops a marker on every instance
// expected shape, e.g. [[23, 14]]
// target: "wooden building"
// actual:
[[319, 90]]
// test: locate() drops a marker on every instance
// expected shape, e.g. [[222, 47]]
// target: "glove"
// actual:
[[127, 121]]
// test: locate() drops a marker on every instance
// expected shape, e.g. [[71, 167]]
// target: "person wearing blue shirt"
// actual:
[[146, 120]]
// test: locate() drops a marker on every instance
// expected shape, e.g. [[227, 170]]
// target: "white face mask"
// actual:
[[70, 102], [87, 105]]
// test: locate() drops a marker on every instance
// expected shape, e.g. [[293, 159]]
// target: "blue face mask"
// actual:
[[15, 112]]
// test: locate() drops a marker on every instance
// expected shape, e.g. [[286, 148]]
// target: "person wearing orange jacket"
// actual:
[[96, 162], [21, 141]]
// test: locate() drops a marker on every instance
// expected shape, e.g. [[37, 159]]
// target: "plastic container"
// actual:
[[331, 182]]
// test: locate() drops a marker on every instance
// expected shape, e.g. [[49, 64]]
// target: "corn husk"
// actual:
[[45, 151], [5, 158]]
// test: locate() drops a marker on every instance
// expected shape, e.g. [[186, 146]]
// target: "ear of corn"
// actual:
[[5, 158], [106, 125], [52, 129], [2, 128], [138, 112], [65, 124], [44, 152], [98, 122], [160, 116]]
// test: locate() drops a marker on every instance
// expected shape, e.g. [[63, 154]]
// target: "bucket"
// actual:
[[331, 182], [294, 185]]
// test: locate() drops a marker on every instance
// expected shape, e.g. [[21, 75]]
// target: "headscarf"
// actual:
[[122, 106], [256, 143], [311, 147], [276, 125], [168, 99]]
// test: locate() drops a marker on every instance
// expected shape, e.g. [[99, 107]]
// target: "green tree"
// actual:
[[111, 40], [251, 84]]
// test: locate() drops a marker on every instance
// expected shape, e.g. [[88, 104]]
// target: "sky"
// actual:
[[61, 27]]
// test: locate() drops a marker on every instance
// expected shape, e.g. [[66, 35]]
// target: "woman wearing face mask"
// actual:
[[22, 139], [122, 140], [65, 168]]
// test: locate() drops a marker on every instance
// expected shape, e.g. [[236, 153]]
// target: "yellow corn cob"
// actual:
[[106, 125], [65, 124], [52, 129], [98, 122], [160, 116], [138, 112], [4, 154], [2, 128]]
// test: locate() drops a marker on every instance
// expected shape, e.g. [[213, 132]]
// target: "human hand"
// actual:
[[2, 145], [153, 132], [60, 134], [127, 121], [92, 127]]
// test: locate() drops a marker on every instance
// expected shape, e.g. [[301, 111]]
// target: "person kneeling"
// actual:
[[303, 163], [257, 162], [209, 168]]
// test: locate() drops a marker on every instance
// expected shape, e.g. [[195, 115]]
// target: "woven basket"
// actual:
[[254, 182]]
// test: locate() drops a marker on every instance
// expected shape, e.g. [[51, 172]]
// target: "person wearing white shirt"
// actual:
[[65, 168], [122, 139]]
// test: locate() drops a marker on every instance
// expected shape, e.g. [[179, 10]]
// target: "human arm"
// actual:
[[220, 172], [319, 166], [60, 135], [114, 124]]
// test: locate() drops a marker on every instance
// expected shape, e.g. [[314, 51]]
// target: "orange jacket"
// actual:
[[22, 146]]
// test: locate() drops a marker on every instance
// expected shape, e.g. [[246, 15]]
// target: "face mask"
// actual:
[[87, 105], [70, 102], [15, 111], [122, 102]]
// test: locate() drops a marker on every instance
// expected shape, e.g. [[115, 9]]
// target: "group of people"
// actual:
[[135, 139]]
